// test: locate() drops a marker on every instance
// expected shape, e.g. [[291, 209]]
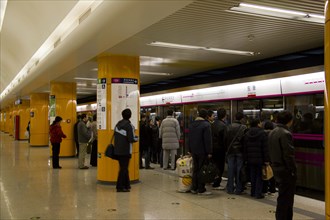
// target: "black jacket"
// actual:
[[282, 153], [256, 146], [124, 137], [200, 137], [219, 133], [236, 148]]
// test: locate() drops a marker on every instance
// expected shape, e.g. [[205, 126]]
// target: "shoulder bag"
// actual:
[[110, 150]]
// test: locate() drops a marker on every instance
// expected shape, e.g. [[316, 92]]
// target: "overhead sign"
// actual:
[[101, 100]]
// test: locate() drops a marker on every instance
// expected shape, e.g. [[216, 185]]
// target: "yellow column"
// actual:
[[63, 96], [24, 117], [115, 66], [327, 109], [7, 120], [39, 124], [2, 127], [11, 121]]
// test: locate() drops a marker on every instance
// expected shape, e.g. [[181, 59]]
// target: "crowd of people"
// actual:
[[245, 144]]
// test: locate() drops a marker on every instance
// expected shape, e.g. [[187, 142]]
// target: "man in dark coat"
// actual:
[[282, 156], [200, 147], [256, 155], [219, 132]]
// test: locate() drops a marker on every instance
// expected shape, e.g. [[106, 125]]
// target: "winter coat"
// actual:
[[56, 133], [282, 153], [256, 146], [155, 136], [200, 137], [169, 132], [84, 134], [143, 141], [124, 138], [219, 133], [236, 147]]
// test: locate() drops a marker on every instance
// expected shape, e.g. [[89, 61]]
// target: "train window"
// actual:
[[308, 113]]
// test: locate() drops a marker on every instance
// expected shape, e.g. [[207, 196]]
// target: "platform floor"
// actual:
[[31, 189]]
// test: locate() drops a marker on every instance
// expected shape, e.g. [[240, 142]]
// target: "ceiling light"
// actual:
[[81, 78], [191, 47], [252, 9], [3, 5], [155, 73]]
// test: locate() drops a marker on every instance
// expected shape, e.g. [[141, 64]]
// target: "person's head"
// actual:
[[126, 113], [202, 113], [239, 116], [221, 113], [94, 117], [84, 118], [143, 117], [210, 115], [78, 117], [254, 122], [268, 125], [170, 112], [57, 120], [285, 118]]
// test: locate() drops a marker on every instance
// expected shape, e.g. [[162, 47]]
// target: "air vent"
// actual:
[[85, 15]]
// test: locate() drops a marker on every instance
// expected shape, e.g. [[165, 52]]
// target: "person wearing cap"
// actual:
[[56, 135]]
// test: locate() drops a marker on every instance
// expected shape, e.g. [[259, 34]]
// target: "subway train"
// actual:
[[301, 94]]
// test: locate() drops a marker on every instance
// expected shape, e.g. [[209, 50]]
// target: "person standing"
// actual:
[[75, 134], [143, 140], [256, 155], [124, 139], [219, 131], [93, 128], [169, 132], [200, 147], [234, 153], [84, 136], [282, 156], [56, 135]]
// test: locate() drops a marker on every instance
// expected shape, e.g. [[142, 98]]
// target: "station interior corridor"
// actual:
[[31, 189]]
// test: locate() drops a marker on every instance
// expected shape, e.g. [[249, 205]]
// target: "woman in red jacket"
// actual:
[[56, 135]]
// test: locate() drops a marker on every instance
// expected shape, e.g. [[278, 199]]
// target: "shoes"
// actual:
[[271, 194], [84, 168], [141, 167], [59, 167], [150, 168], [260, 197], [230, 192], [219, 188], [206, 193], [123, 190], [193, 191]]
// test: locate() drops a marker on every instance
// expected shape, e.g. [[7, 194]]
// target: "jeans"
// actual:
[[235, 163], [256, 180], [56, 153]]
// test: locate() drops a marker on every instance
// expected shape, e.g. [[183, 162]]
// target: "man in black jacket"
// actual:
[[200, 147], [282, 156], [219, 132], [235, 135]]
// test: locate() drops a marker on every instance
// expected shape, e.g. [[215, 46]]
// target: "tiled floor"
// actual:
[[31, 189]]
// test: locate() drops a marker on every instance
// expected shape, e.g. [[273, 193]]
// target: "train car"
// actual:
[[303, 95]]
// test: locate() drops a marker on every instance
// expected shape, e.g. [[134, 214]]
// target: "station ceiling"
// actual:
[[127, 27]]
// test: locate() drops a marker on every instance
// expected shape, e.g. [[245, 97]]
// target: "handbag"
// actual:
[[208, 172], [267, 172], [110, 150]]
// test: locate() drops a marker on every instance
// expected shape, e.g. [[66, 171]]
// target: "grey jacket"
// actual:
[[83, 132], [169, 132]]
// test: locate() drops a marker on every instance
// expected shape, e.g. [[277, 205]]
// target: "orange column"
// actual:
[[123, 68], [327, 109], [63, 103], [7, 120], [2, 126], [24, 117], [39, 123]]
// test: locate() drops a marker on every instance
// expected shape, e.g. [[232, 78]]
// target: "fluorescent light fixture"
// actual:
[[155, 73], [191, 47], [64, 29], [3, 6], [81, 78], [252, 9]]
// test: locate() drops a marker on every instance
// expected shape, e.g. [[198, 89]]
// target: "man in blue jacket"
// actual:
[[200, 147]]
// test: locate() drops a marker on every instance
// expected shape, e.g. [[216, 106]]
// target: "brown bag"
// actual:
[[267, 172]]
